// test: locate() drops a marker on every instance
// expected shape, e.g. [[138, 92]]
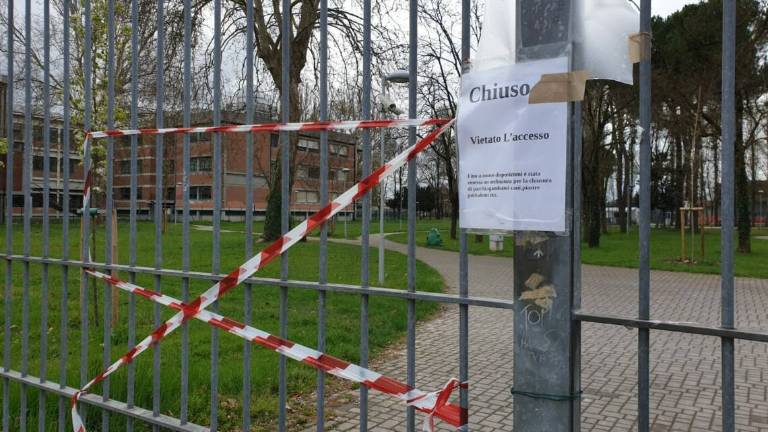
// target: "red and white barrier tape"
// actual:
[[435, 404], [251, 266]]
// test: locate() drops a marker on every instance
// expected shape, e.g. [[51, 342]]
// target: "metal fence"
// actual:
[[20, 379]]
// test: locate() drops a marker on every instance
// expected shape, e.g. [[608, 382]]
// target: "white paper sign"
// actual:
[[512, 155]]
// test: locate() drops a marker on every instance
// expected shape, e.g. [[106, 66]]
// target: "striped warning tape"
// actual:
[[422, 401], [236, 277]]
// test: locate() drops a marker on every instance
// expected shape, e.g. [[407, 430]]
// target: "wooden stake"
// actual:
[[83, 240], [683, 254]]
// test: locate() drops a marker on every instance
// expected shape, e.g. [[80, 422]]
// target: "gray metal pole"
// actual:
[[381, 189], [366, 213], [643, 341], [546, 341], [63, 308], [413, 49], [108, 290], [285, 201], [185, 253], [132, 218], [249, 90], [217, 195], [8, 286], [463, 248], [323, 270], [26, 184], [727, 210], [42, 396]]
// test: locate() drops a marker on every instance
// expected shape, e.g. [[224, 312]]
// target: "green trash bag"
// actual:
[[434, 238]]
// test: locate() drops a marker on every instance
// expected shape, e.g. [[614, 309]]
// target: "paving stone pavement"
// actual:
[[685, 375]]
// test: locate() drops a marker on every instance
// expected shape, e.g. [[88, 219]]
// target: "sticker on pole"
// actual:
[[512, 151]]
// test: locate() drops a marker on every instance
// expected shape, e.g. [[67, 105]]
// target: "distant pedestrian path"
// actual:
[[685, 374]]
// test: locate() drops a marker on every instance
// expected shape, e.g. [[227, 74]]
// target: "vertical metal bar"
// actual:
[[159, 197], [463, 247], [85, 251], [323, 271], [107, 341], [217, 198], [366, 216], [64, 315], [26, 183], [249, 47], [727, 210], [285, 194], [413, 45], [132, 215], [576, 139], [41, 404], [644, 310], [187, 102], [8, 289]]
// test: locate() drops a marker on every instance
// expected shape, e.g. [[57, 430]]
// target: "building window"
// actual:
[[301, 172], [199, 193], [37, 163], [309, 145], [199, 137], [339, 149], [313, 172], [200, 164], [308, 172], [307, 197], [75, 201], [125, 167], [124, 193], [341, 175]]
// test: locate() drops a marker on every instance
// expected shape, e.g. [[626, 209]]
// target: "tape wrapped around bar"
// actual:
[[560, 87], [639, 47]]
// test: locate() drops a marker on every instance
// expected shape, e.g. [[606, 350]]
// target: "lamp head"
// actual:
[[400, 76]]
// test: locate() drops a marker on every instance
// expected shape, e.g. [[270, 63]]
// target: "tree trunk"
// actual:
[[273, 219], [622, 174]]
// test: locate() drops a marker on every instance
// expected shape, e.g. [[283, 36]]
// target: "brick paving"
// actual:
[[685, 375]]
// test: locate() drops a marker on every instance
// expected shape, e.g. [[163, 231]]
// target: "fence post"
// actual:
[[546, 338]]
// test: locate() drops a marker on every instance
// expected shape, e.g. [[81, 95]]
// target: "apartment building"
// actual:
[[56, 162], [306, 188]]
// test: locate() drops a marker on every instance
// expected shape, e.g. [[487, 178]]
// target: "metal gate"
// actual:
[[60, 189]]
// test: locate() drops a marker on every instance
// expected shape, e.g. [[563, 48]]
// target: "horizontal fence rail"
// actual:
[[43, 368]]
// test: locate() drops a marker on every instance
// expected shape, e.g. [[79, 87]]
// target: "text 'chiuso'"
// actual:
[[485, 93]]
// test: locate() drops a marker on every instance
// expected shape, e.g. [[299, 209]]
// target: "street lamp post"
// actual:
[[401, 77]]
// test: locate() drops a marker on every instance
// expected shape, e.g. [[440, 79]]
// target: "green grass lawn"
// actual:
[[621, 250], [387, 323]]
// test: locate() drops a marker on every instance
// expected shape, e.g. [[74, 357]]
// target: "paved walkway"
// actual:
[[685, 376]]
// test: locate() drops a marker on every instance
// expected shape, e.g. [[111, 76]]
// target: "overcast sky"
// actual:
[[666, 7]]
